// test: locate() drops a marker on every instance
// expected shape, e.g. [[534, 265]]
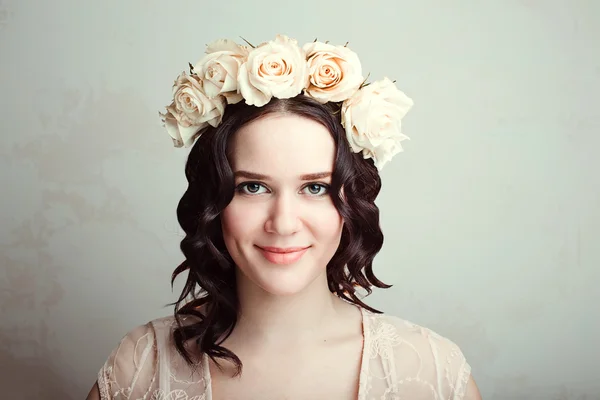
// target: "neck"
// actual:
[[268, 319]]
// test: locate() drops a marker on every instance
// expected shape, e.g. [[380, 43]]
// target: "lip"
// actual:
[[282, 249], [283, 255]]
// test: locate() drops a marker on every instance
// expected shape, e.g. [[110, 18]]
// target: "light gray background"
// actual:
[[491, 215]]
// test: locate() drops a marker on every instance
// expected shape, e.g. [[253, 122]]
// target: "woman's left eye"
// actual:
[[316, 189]]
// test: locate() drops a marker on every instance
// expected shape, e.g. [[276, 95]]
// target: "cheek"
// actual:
[[237, 222], [328, 223]]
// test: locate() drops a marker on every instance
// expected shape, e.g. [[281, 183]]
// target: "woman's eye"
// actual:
[[251, 188], [316, 189]]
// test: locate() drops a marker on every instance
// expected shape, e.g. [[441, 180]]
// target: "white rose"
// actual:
[[181, 135], [219, 69], [372, 118], [335, 72], [274, 69], [191, 110]]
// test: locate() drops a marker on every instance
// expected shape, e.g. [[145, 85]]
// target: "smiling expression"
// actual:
[[281, 227]]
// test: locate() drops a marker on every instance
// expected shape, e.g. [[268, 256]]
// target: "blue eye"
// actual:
[[251, 188], [317, 189]]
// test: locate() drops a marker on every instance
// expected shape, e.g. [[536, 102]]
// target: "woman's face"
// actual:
[[281, 228]]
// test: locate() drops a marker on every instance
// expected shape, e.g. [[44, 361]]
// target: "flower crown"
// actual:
[[371, 113]]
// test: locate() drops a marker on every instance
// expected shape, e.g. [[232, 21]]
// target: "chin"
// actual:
[[283, 290], [285, 280], [285, 284]]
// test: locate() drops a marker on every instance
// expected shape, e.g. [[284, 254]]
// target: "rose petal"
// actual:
[[250, 93], [372, 118], [223, 45]]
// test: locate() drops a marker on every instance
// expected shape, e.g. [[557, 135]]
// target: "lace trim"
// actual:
[[461, 382], [364, 381], [177, 394], [103, 385]]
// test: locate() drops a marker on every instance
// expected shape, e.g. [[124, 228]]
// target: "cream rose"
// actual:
[[181, 135], [334, 72], [191, 110], [219, 69], [274, 69], [372, 120]]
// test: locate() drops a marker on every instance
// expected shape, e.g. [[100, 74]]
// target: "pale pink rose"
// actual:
[[219, 69], [372, 118], [335, 72], [191, 110], [273, 69]]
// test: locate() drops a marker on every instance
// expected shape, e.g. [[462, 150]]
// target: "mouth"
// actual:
[[283, 256]]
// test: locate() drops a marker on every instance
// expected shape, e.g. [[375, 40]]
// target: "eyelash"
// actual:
[[242, 186]]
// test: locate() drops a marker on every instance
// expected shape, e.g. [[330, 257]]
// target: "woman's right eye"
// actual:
[[251, 188]]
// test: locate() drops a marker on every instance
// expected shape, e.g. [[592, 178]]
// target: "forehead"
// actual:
[[281, 145]]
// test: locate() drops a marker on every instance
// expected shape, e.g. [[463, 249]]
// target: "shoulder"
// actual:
[[131, 368], [399, 331], [417, 355]]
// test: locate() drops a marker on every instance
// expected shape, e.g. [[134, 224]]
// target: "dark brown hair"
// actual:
[[209, 297]]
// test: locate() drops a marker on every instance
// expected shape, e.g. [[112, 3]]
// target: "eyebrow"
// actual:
[[305, 177]]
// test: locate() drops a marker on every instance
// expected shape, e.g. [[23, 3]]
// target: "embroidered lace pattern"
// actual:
[[400, 360]]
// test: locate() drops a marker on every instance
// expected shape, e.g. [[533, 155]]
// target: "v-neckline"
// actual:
[[362, 374]]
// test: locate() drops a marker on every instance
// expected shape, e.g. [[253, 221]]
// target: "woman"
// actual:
[[281, 230]]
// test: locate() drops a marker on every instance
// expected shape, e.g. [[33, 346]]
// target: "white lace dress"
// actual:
[[400, 360]]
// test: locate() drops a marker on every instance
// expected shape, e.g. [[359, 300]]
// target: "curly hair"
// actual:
[[209, 297]]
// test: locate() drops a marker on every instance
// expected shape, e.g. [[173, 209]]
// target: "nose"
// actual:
[[284, 218]]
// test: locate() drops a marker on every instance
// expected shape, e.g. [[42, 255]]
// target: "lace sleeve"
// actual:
[[130, 370], [451, 364], [410, 361]]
